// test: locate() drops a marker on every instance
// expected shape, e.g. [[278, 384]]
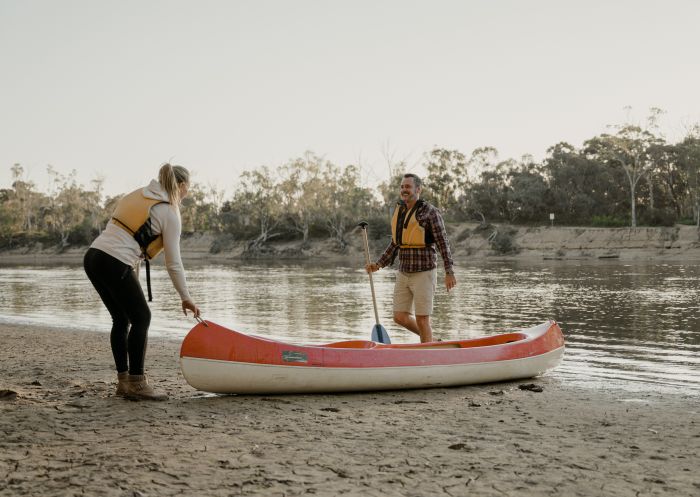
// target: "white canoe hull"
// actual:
[[247, 378]]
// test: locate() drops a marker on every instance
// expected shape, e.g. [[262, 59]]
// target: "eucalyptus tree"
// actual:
[[488, 196], [344, 201], [6, 218], [528, 196], [256, 208], [688, 161], [655, 153], [481, 159], [389, 191], [628, 149], [446, 178], [21, 202], [200, 209], [97, 215], [669, 191], [302, 189], [481, 164], [581, 186], [70, 213]]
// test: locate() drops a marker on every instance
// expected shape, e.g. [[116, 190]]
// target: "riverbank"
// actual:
[[468, 241], [65, 433]]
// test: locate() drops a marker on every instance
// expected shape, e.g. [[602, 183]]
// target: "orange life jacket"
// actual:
[[133, 214], [406, 232]]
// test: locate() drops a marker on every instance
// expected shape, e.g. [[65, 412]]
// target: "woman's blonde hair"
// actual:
[[170, 178]]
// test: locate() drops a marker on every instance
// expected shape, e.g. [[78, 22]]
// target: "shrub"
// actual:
[[25, 239], [503, 243], [221, 243], [379, 226], [463, 235], [82, 234], [658, 217], [606, 221]]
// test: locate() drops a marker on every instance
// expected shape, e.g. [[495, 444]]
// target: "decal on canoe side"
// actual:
[[294, 356]]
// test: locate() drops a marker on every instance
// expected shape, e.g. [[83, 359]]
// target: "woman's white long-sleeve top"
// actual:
[[165, 219]]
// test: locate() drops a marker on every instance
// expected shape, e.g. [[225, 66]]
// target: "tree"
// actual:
[[389, 191], [528, 193], [344, 201], [199, 214], [447, 175], [482, 159], [98, 216], [302, 189], [24, 197], [582, 186], [666, 186], [488, 197], [629, 149], [257, 205], [69, 208], [688, 162]]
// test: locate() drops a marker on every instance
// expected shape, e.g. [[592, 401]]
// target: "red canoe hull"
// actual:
[[216, 359]]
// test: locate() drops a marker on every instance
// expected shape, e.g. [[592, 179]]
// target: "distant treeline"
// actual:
[[630, 177]]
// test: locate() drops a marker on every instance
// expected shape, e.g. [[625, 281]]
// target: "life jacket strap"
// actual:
[[407, 219], [148, 280], [123, 225]]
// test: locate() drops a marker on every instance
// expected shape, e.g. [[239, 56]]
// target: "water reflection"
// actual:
[[634, 325]]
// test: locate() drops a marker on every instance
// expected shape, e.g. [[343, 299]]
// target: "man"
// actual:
[[416, 229]]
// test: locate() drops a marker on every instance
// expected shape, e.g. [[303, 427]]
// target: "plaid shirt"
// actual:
[[414, 260]]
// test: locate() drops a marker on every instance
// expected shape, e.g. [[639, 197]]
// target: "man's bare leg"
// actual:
[[420, 325], [424, 328], [406, 320]]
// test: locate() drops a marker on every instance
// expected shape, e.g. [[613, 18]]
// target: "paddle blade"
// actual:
[[379, 334]]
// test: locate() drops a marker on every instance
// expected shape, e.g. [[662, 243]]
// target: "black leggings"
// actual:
[[121, 293]]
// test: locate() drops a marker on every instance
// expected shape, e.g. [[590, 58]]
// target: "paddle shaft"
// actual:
[[371, 283]]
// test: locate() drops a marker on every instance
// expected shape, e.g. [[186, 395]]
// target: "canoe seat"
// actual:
[[461, 344], [431, 346], [351, 344]]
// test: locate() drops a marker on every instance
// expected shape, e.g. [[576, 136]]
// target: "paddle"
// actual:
[[379, 333]]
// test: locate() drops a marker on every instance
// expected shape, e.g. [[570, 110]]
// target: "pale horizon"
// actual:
[[116, 89]]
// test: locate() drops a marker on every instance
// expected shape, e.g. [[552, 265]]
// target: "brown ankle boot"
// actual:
[[122, 379], [137, 388]]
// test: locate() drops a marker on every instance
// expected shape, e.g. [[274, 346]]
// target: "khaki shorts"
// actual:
[[415, 288]]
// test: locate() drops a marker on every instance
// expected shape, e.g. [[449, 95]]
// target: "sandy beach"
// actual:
[[64, 432]]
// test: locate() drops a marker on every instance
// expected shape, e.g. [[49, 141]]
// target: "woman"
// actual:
[[144, 222]]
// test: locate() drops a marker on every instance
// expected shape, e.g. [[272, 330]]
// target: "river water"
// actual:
[[631, 326]]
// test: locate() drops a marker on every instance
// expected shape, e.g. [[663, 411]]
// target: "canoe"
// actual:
[[216, 359]]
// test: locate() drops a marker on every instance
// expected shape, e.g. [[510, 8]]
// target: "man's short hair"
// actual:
[[416, 180]]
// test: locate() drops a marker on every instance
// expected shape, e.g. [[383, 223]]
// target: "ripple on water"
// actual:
[[631, 326]]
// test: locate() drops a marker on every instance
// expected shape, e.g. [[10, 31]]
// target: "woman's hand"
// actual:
[[188, 304]]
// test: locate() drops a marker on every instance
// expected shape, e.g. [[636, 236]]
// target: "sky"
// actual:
[[114, 89]]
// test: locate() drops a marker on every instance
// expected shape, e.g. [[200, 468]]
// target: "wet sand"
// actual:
[[65, 433]]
